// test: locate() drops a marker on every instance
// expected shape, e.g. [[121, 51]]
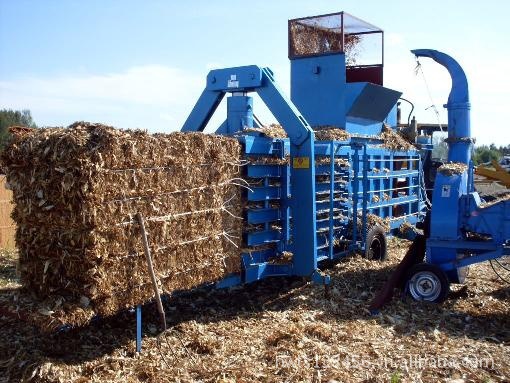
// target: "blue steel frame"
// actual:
[[242, 80], [317, 202]]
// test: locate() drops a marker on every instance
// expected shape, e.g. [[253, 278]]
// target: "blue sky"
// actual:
[[143, 63]]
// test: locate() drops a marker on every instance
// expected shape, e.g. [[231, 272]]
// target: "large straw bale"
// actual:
[[77, 191]]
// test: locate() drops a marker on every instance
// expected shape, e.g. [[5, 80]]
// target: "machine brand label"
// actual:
[[301, 162], [233, 82], [445, 191]]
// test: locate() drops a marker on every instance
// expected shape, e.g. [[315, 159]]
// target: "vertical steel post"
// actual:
[[355, 198], [365, 196], [331, 198], [138, 328], [239, 112]]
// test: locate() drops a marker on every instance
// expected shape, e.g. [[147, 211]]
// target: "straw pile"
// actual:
[[271, 131], [372, 220], [452, 168], [375, 220], [391, 139], [77, 191], [330, 133], [394, 141], [313, 39]]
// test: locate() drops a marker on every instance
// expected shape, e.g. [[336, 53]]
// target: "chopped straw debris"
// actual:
[[76, 193], [406, 228], [330, 133], [313, 39], [271, 131], [393, 140], [283, 330], [452, 168], [325, 160], [372, 220]]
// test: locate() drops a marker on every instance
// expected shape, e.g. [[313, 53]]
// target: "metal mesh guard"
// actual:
[[316, 35]]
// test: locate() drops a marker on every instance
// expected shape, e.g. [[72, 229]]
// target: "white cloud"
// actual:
[[393, 39], [159, 98], [147, 96]]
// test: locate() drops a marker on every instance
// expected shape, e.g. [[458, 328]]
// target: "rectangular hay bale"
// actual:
[[77, 191]]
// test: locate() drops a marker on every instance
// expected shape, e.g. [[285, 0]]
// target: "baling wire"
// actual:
[[232, 181], [419, 69], [423, 187], [496, 272]]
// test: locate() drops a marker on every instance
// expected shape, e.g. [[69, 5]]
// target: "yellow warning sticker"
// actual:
[[301, 162]]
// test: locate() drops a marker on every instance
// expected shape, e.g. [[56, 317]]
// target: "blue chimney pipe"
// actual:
[[458, 106]]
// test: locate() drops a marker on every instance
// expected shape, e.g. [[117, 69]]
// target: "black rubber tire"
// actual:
[[376, 246], [434, 271]]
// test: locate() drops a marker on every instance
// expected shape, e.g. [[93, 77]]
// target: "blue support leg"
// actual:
[[138, 328], [321, 278]]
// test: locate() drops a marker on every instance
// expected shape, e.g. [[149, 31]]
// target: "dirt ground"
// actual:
[[279, 330]]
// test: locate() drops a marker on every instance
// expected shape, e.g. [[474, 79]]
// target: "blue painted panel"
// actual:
[[257, 256], [445, 199], [317, 89], [322, 205], [323, 148], [261, 237], [264, 146], [262, 215], [239, 113], [234, 79], [370, 102], [264, 193], [258, 171], [325, 223], [321, 187], [229, 281]]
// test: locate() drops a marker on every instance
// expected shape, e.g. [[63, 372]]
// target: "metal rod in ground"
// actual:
[[138, 328], [147, 251]]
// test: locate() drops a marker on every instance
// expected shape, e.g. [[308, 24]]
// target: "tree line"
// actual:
[[486, 153], [481, 154], [9, 117]]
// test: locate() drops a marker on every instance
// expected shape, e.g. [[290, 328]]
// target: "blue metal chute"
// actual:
[[368, 104], [458, 106]]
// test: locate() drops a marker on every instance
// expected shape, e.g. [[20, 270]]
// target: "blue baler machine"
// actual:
[[317, 210], [314, 203], [313, 199]]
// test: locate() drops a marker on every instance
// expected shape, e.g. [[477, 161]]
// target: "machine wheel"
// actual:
[[375, 247], [427, 282]]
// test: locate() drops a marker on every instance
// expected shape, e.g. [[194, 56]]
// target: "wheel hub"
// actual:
[[425, 286]]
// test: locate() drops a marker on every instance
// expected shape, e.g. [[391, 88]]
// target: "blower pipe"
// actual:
[[458, 106]]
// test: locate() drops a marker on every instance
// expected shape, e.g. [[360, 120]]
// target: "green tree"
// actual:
[[9, 117], [485, 154]]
